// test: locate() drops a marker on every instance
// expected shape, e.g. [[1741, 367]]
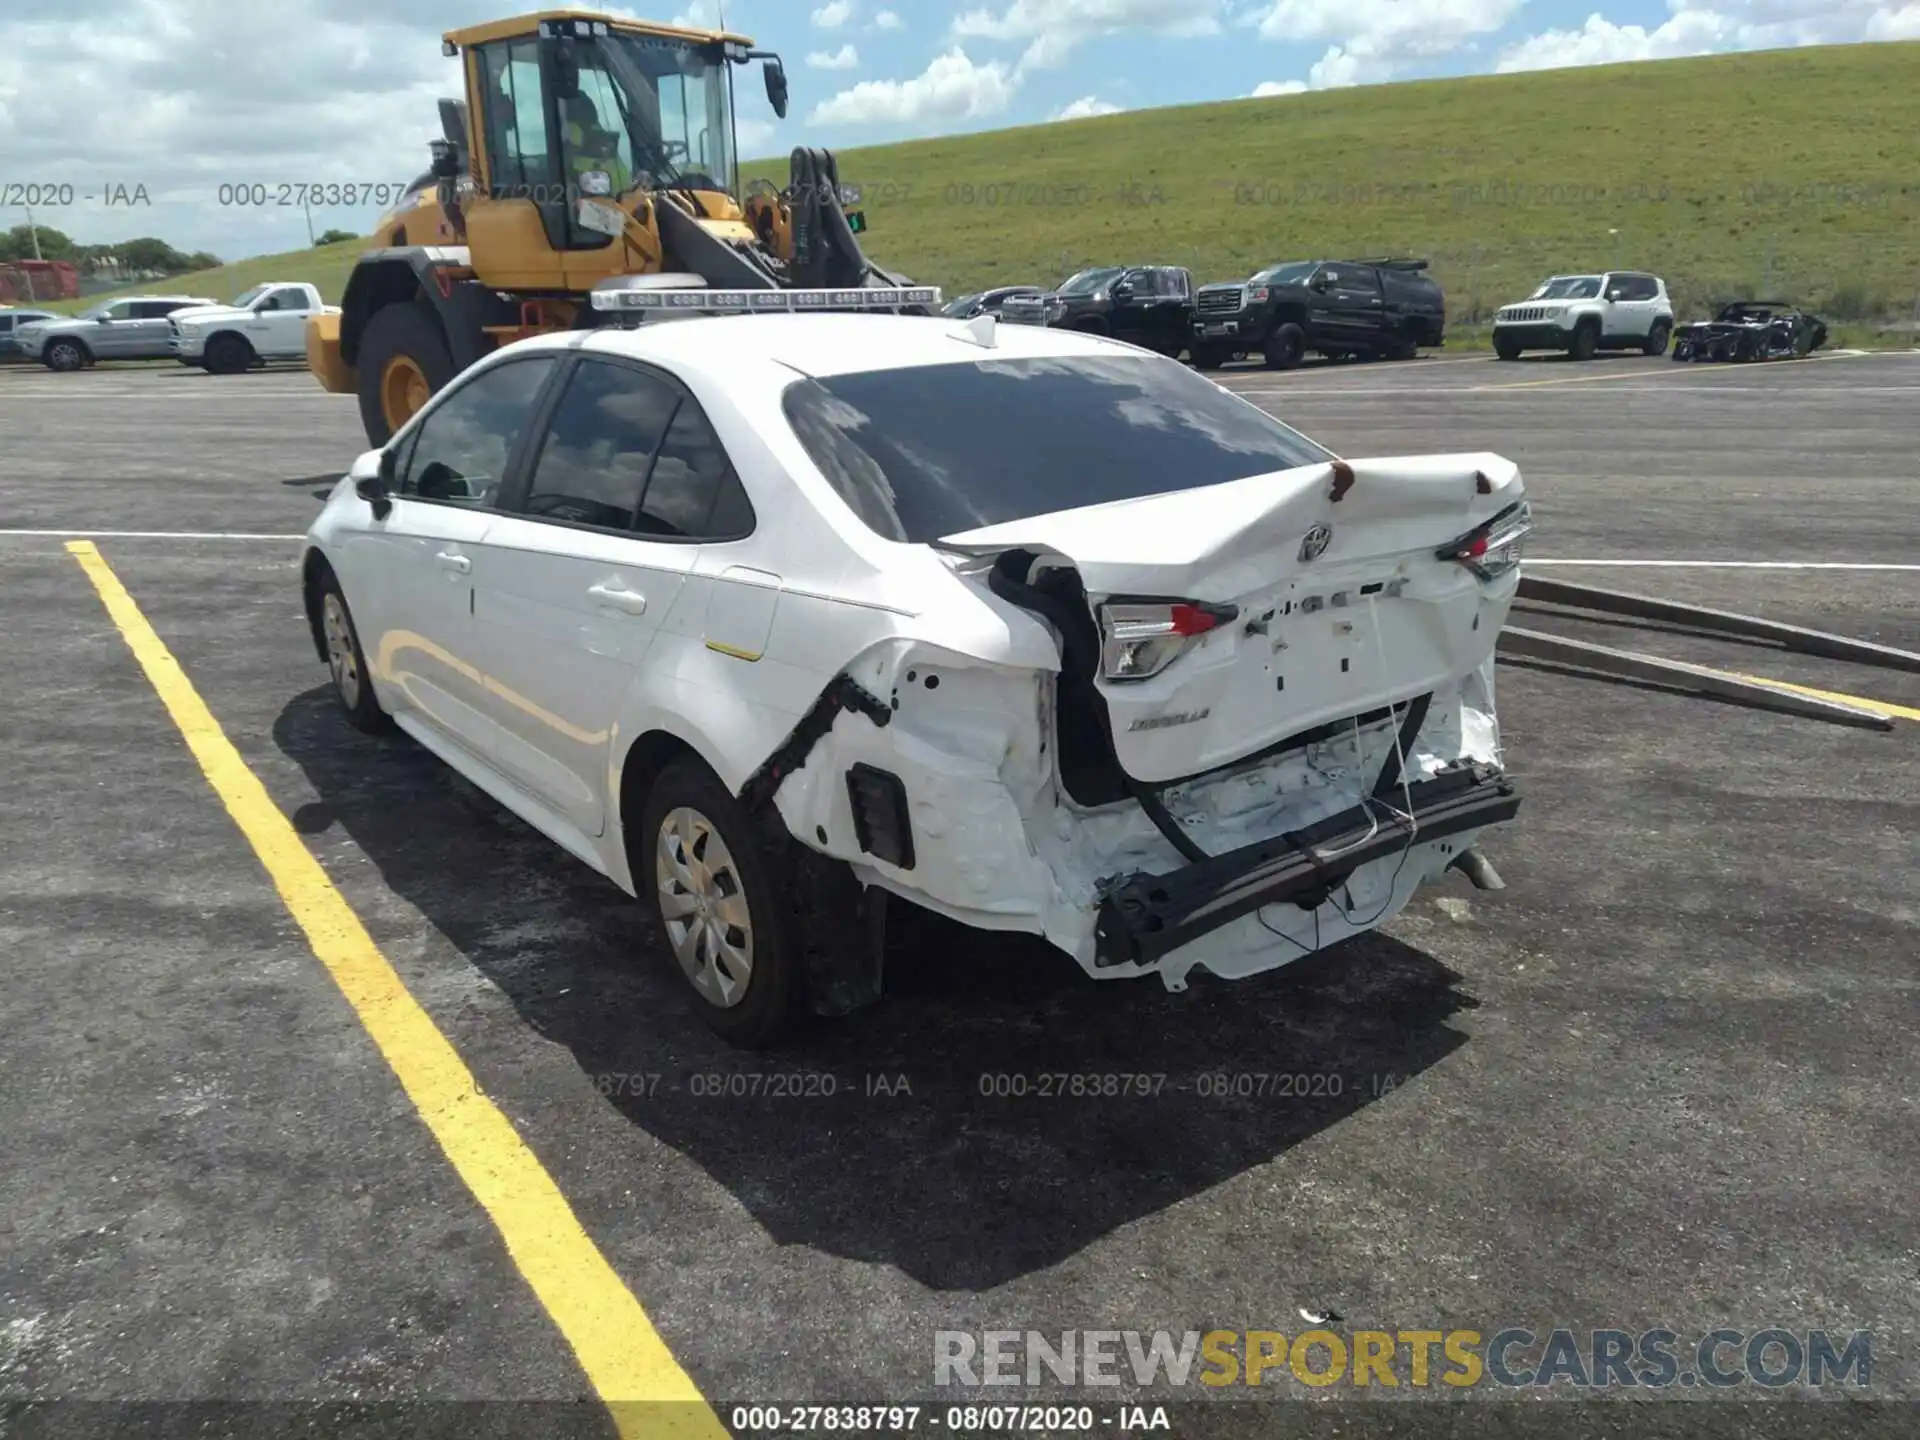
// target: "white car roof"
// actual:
[[835, 344]]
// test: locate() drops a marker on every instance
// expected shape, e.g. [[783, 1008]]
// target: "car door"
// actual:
[[1172, 312], [409, 576], [1131, 301], [116, 336], [277, 325], [1617, 317], [576, 579], [1328, 319], [1359, 305], [143, 335]]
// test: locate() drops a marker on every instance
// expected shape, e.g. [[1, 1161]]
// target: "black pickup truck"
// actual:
[[1145, 305], [1340, 308]]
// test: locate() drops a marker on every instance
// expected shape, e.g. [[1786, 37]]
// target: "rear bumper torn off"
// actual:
[[1147, 916]]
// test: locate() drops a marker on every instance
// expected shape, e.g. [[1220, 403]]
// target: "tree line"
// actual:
[[143, 255]]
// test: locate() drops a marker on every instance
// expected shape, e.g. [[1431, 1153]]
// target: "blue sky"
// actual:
[[208, 95], [865, 71]]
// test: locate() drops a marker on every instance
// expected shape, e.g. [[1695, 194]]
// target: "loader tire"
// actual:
[[1286, 347], [404, 361]]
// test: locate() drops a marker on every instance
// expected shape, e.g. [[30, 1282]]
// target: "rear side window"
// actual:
[[935, 450], [632, 450], [593, 465]]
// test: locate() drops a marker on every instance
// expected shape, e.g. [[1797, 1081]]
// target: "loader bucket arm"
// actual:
[[691, 247], [825, 251]]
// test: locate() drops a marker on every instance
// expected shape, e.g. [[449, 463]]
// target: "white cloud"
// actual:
[[845, 58], [1713, 27], [1901, 24], [886, 20], [1277, 87], [1085, 108], [1374, 40], [951, 88], [833, 14], [1053, 29]]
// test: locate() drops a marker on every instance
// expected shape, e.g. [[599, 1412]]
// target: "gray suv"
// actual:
[[129, 328]]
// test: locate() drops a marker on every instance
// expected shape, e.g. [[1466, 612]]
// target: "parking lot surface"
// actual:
[[1665, 1078]]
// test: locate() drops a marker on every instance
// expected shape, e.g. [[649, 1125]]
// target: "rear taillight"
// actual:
[[1492, 549], [1139, 639]]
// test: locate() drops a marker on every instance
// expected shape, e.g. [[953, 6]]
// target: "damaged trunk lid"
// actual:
[[1234, 616]]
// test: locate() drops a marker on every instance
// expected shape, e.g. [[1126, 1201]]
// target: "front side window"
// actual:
[[935, 450], [1088, 281], [246, 297], [1568, 287], [693, 492], [1296, 272], [594, 462], [460, 452]]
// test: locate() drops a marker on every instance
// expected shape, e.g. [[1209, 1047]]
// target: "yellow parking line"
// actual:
[[625, 1360], [1885, 706]]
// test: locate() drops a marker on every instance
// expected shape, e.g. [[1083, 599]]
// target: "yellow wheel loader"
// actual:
[[588, 178]]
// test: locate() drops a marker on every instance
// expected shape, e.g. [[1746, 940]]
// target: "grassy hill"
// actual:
[[1790, 171]]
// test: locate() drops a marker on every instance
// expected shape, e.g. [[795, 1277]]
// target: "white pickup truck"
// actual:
[[268, 322]]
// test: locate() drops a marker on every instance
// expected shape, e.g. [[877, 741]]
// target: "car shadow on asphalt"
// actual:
[[923, 1133]]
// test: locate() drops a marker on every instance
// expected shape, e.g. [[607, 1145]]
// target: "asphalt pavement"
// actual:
[[1666, 1078]]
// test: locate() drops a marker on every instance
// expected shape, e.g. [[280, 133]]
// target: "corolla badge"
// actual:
[[1314, 543]]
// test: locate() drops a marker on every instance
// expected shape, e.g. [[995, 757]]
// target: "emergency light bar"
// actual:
[[744, 302]]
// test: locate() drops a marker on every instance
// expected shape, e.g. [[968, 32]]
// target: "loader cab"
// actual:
[[566, 109]]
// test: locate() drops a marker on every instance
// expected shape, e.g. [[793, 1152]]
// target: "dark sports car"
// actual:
[[1752, 330]]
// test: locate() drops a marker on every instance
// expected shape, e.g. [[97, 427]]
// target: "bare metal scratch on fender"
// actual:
[[1161, 722]]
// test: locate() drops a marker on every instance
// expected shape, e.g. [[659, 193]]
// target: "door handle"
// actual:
[[613, 593], [449, 560]]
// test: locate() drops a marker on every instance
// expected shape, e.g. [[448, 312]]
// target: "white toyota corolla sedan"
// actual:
[[769, 618]]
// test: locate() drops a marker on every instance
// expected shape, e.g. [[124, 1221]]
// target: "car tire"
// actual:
[[65, 356], [228, 355], [1657, 338], [399, 338], [703, 857], [1586, 341], [1403, 347], [1505, 349], [1286, 347], [346, 661], [1208, 357]]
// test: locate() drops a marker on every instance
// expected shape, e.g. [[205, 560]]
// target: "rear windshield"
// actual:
[[935, 450]]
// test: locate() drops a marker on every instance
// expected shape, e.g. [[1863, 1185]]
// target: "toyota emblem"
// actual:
[[1314, 544]]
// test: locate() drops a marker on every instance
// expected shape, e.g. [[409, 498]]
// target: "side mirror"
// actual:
[[776, 74], [446, 160], [1123, 290], [374, 482], [1319, 283]]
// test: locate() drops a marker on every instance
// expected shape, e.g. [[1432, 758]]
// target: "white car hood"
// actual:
[[208, 312]]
